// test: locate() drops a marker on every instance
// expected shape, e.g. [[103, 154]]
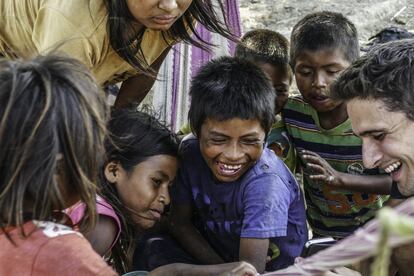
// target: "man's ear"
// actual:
[[112, 171]]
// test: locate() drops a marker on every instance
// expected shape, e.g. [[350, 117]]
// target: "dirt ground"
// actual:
[[370, 16]]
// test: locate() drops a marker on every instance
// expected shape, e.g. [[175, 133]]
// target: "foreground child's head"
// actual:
[[270, 51], [51, 138], [231, 112], [323, 44]]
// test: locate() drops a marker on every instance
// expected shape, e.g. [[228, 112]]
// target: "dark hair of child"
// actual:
[[324, 30], [184, 29], [374, 76], [265, 46], [52, 131], [134, 136], [227, 88]]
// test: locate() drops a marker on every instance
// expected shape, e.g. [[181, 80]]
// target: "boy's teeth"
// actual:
[[231, 167]]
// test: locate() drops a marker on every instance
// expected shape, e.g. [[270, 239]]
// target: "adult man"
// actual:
[[379, 91]]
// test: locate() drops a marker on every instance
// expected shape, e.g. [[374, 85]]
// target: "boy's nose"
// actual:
[[319, 80], [371, 155], [168, 5], [233, 152]]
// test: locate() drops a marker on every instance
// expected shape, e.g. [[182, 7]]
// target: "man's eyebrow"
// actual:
[[369, 131]]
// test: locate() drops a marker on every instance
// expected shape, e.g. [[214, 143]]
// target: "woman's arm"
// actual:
[[134, 89], [188, 236]]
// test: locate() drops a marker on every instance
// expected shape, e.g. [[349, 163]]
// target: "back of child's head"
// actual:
[[264, 46], [228, 88], [51, 138], [324, 30], [134, 136]]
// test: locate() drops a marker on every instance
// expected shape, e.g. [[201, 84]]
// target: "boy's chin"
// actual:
[[327, 106]]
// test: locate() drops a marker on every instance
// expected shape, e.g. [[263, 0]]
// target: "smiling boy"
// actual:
[[234, 199]]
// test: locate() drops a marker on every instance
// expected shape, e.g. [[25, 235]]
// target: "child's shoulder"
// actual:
[[270, 164], [53, 230], [297, 103], [78, 255], [188, 145]]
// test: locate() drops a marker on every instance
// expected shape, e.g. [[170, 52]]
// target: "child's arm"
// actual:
[[228, 269], [103, 235], [190, 239], [320, 169], [267, 200], [254, 251]]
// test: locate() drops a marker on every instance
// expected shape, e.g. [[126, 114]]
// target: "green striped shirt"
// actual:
[[330, 211]]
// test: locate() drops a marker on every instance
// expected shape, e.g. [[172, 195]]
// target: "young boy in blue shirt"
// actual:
[[233, 198], [340, 196]]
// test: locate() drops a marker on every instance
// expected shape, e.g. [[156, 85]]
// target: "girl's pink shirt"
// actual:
[[103, 208]]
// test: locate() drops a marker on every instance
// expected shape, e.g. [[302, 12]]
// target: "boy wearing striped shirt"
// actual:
[[340, 195]]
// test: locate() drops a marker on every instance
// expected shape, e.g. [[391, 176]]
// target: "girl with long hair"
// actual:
[[52, 127]]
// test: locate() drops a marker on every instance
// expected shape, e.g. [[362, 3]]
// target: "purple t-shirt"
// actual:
[[266, 202]]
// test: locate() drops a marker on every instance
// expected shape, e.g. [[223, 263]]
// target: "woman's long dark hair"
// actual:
[[134, 136], [119, 29]]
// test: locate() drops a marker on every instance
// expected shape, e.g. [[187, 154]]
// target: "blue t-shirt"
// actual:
[[266, 202]]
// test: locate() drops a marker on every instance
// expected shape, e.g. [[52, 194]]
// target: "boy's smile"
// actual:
[[231, 147]]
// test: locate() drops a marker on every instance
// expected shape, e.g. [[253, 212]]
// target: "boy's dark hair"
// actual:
[[52, 128], [385, 73], [134, 136], [227, 88], [324, 30], [265, 46]]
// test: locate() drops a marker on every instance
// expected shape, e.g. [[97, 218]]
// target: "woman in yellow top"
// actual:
[[119, 40]]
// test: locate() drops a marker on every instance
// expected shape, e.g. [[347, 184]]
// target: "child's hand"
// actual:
[[240, 269], [319, 169]]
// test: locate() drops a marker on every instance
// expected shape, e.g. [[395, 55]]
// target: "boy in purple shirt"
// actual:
[[233, 198]]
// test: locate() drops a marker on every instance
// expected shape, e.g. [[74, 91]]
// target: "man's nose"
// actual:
[[371, 155]]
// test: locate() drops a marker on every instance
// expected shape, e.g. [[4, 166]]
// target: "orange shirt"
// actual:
[[49, 249]]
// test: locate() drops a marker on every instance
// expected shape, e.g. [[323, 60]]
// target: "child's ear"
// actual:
[[112, 171]]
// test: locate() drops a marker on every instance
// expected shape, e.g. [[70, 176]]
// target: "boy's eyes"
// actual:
[[305, 72], [332, 72], [252, 141], [218, 140]]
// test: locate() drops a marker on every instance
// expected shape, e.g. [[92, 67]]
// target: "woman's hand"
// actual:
[[320, 170]]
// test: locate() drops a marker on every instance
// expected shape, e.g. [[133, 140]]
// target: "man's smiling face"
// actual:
[[387, 138]]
